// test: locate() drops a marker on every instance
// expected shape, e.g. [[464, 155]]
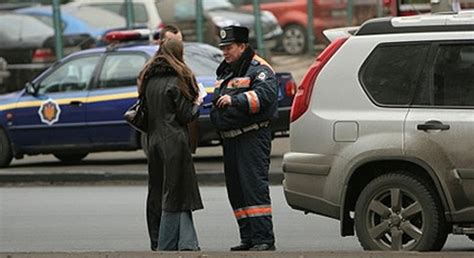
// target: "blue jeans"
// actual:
[[177, 232]]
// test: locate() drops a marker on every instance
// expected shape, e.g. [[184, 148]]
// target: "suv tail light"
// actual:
[[303, 92], [43, 55]]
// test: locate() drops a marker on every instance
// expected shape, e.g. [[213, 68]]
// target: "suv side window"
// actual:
[[120, 70], [453, 76], [391, 72]]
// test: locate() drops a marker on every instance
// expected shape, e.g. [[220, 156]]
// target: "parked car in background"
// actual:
[[381, 133], [219, 13], [27, 45], [76, 19], [4, 73], [76, 106], [292, 16], [145, 12]]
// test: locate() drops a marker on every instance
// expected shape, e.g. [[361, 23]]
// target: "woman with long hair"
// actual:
[[172, 100]]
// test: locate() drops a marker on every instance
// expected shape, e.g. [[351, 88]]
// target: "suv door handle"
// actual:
[[76, 103], [432, 125]]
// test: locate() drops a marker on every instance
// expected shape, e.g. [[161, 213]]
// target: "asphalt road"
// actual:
[[111, 218]]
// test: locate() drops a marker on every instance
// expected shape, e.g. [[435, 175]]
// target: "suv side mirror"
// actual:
[[30, 88]]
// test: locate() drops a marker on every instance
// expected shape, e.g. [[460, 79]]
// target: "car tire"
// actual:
[[398, 211], [6, 154], [471, 237], [294, 39], [70, 157], [144, 144]]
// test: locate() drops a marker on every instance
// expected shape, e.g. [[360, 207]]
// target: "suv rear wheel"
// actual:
[[398, 211], [471, 237]]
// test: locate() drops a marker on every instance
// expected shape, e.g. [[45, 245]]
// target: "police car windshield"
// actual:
[[203, 59], [201, 65]]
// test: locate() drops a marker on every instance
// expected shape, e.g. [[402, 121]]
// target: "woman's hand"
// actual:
[[198, 101]]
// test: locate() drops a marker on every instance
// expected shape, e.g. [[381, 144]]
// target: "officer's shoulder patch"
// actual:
[[262, 75], [255, 62]]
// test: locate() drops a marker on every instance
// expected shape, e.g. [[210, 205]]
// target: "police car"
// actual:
[[76, 106]]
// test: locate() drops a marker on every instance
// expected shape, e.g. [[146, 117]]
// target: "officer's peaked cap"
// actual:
[[233, 34]]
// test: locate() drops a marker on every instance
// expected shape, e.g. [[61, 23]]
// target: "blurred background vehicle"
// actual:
[[27, 45], [219, 13], [292, 16], [3, 70], [145, 12], [77, 19]]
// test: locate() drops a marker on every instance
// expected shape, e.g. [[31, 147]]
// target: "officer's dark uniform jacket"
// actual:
[[246, 143], [252, 86]]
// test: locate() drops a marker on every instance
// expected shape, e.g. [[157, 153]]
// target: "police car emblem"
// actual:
[[261, 76], [223, 34], [49, 112]]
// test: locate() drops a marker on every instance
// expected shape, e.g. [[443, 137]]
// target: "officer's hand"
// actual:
[[224, 101]]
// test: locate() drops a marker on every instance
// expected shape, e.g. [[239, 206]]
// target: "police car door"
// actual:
[[54, 117], [114, 92]]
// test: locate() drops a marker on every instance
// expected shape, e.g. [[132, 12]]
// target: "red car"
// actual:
[[293, 19]]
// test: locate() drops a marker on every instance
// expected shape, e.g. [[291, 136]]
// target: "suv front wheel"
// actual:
[[397, 211]]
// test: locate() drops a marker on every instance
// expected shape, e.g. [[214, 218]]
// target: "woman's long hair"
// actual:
[[171, 54]]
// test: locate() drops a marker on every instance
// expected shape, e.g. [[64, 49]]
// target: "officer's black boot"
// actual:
[[241, 247]]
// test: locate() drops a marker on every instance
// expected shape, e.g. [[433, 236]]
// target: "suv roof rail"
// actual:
[[440, 22]]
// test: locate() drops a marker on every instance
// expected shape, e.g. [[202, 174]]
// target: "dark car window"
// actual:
[[453, 76], [391, 72], [74, 75], [121, 70]]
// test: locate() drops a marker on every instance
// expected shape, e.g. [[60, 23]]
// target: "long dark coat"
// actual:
[[169, 154]]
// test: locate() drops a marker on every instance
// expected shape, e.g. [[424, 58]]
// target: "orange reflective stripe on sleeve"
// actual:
[[253, 211], [239, 82], [254, 103]]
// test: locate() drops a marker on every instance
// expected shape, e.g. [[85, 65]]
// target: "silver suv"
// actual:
[[382, 133]]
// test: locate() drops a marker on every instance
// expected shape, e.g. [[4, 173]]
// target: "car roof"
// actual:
[[443, 22], [149, 49]]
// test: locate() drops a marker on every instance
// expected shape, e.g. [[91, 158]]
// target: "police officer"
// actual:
[[245, 102]]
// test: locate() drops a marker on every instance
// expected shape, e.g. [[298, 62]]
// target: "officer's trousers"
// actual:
[[246, 165]]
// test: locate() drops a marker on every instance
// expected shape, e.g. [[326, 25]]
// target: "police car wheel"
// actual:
[[6, 155], [70, 157]]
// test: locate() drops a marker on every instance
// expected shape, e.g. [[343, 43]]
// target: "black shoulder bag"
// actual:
[[137, 115]]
